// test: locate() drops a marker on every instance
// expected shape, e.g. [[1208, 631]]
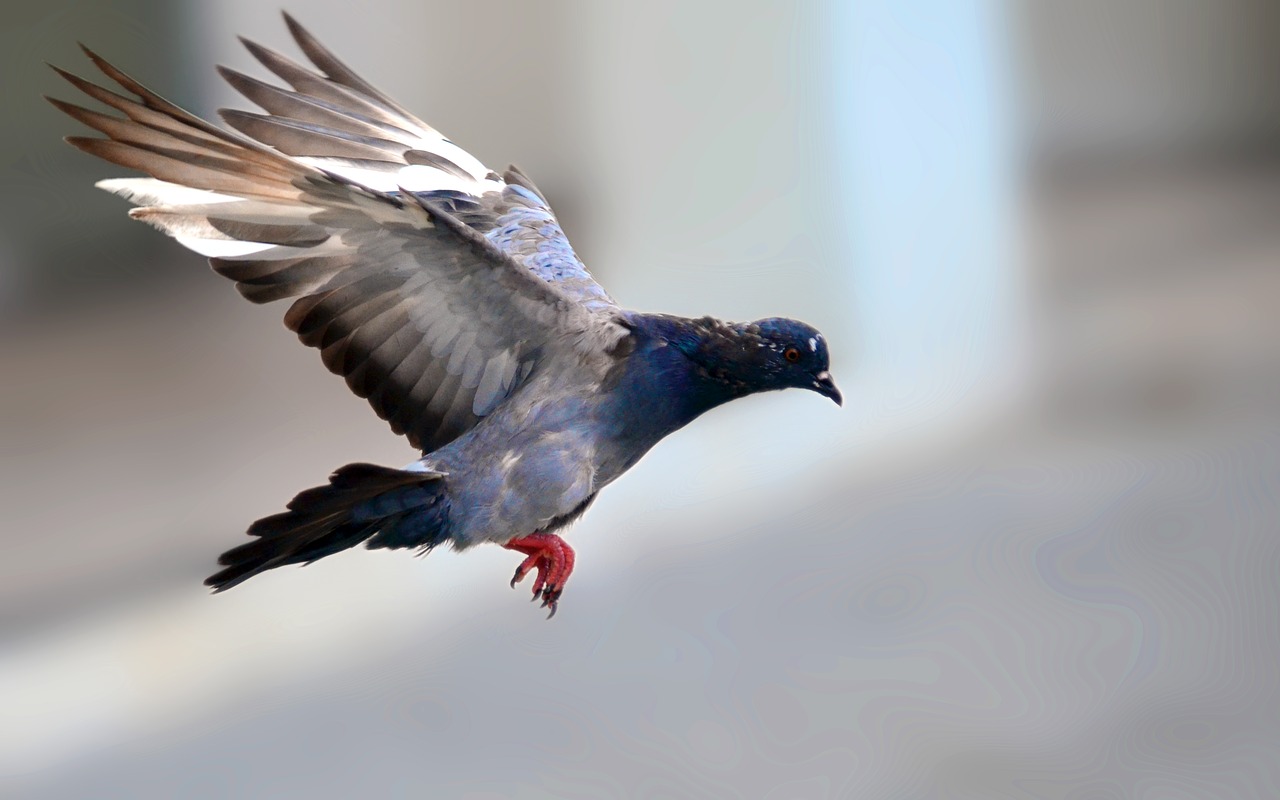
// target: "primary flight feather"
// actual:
[[444, 293]]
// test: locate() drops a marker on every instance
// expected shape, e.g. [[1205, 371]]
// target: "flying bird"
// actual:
[[445, 294]]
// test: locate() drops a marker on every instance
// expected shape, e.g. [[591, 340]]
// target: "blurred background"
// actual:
[[1035, 554]]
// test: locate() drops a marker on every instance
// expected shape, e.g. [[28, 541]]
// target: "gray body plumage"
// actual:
[[533, 461], [444, 293]]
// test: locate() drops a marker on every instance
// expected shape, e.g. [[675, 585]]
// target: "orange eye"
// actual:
[[791, 354]]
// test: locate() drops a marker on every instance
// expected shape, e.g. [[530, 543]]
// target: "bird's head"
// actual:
[[786, 354], [743, 358]]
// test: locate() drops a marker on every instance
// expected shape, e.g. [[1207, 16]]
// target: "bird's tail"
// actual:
[[387, 507]]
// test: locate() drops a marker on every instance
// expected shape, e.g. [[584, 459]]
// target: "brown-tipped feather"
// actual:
[[128, 131], [308, 82], [214, 138], [159, 138], [306, 139], [291, 105], [339, 72], [130, 108], [150, 98], [287, 235], [175, 170]]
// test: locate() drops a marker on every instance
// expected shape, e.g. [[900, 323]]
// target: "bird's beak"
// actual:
[[825, 386]]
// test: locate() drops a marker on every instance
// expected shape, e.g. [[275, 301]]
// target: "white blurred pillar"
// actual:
[[926, 162]]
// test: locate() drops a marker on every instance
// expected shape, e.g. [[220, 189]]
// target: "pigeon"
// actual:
[[444, 293]]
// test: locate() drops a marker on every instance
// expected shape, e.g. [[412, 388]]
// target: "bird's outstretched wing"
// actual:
[[430, 283]]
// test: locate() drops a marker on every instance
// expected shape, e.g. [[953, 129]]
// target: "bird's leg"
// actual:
[[552, 557]]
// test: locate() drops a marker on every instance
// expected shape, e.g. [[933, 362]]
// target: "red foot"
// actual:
[[552, 557]]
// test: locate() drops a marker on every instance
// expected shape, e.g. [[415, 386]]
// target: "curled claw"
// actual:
[[534, 560], [551, 599]]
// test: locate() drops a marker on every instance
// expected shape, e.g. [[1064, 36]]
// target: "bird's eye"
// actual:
[[791, 354]]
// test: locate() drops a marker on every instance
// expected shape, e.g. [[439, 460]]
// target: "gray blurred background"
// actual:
[[1035, 555]]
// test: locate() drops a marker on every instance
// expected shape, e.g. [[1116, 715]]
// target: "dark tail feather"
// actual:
[[403, 509]]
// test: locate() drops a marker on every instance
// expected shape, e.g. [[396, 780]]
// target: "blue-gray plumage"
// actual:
[[445, 294]]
